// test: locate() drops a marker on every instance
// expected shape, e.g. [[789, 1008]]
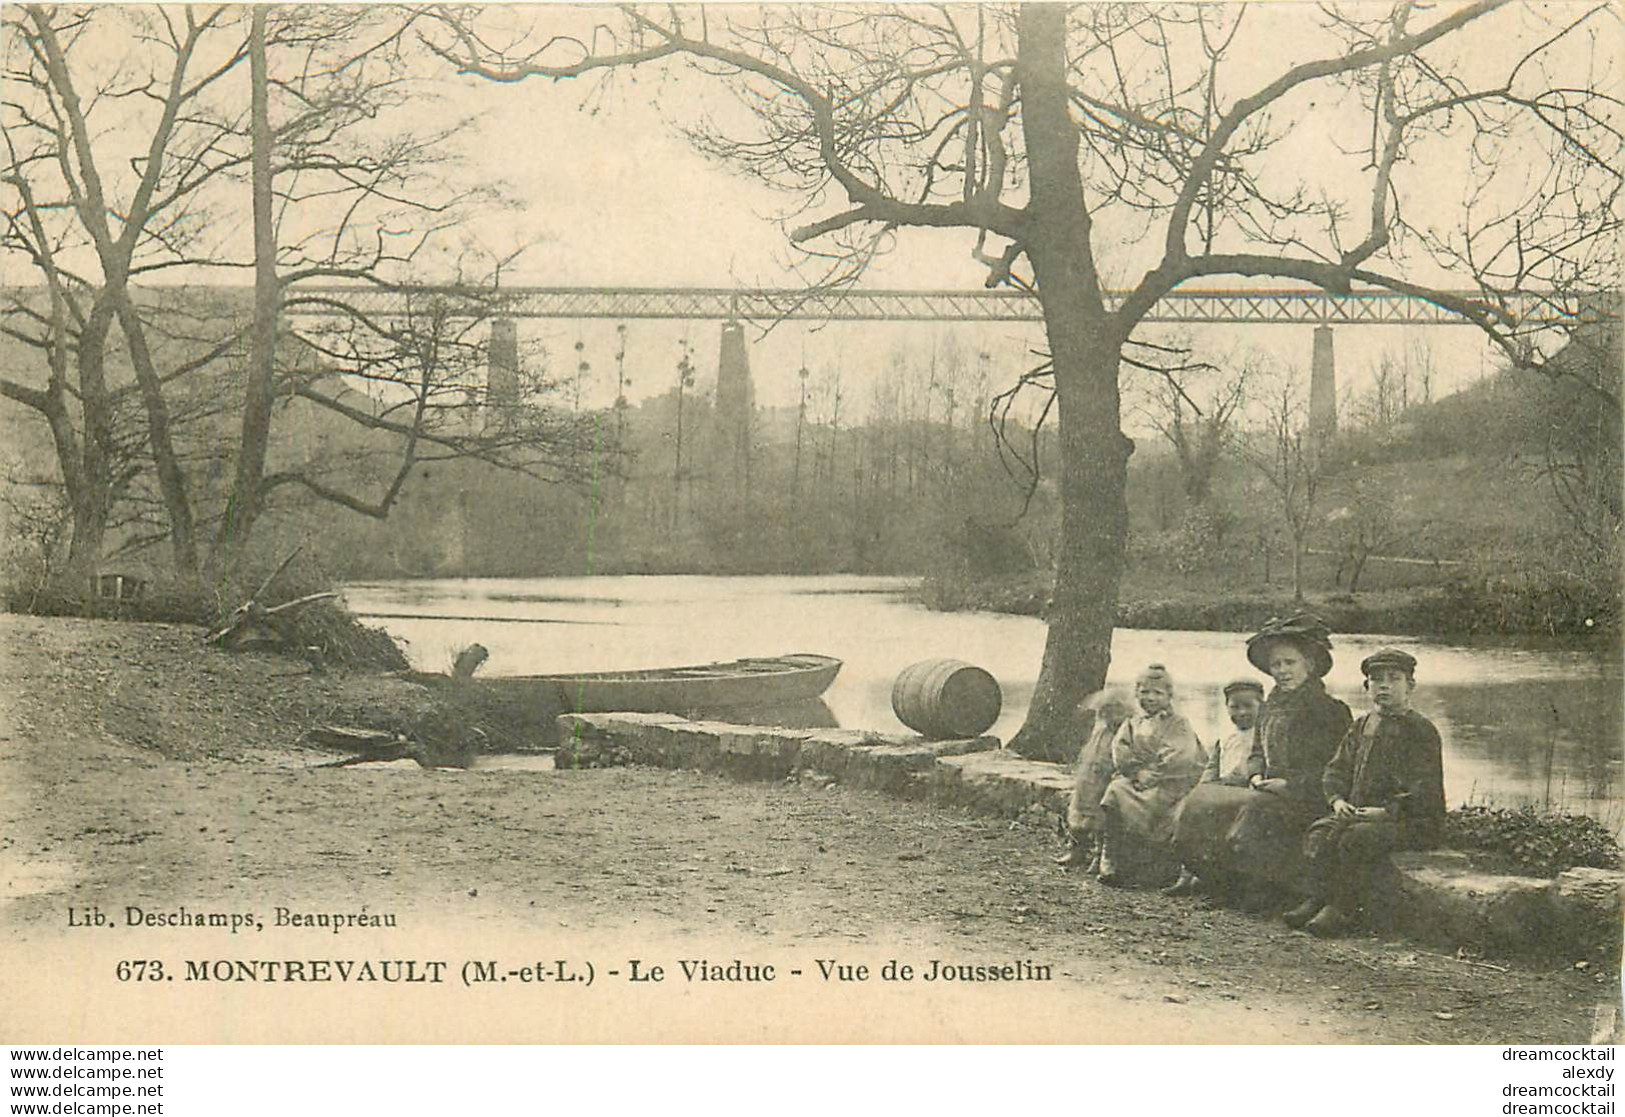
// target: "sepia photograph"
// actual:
[[812, 523]]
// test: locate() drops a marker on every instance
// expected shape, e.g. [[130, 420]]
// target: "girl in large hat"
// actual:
[[1298, 730]]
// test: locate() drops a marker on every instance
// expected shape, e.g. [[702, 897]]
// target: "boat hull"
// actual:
[[706, 688]]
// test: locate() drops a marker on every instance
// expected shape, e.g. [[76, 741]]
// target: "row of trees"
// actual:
[[1248, 413], [859, 473], [1240, 433], [146, 146]]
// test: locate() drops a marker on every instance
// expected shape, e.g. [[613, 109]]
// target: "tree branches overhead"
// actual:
[[1190, 142], [131, 152]]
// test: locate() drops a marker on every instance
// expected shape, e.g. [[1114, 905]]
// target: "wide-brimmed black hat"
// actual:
[[1305, 630], [1389, 657]]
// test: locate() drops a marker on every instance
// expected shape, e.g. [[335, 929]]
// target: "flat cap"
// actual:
[[1389, 657], [1243, 684]]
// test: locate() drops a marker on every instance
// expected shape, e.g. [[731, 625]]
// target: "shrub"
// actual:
[[1543, 841], [1026, 596]]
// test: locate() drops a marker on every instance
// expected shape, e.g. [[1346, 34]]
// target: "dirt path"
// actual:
[[604, 866]]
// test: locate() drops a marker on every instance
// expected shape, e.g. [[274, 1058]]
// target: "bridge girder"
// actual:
[[1307, 306]]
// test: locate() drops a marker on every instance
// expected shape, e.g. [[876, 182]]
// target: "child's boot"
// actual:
[[1303, 913], [1107, 866], [1077, 852], [1184, 886], [1329, 923]]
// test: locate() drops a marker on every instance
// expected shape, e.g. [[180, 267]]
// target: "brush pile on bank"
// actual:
[[1544, 843], [296, 608], [336, 638], [306, 617]]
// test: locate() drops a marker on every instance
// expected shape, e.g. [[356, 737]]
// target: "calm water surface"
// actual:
[[1520, 724]]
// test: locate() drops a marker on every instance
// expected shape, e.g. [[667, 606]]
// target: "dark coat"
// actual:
[[1297, 733], [1393, 761]]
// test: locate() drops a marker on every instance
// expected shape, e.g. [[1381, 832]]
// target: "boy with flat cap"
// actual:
[[1385, 786]]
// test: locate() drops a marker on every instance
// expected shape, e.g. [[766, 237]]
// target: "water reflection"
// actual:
[[1520, 724]]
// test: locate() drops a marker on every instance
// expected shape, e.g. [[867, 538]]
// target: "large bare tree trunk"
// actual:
[[85, 549], [171, 479], [243, 506], [1085, 351], [85, 473], [92, 497]]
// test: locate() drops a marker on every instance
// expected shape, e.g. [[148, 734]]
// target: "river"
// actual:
[[1533, 725]]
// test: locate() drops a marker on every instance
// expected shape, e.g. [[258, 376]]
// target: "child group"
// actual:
[[1300, 805]]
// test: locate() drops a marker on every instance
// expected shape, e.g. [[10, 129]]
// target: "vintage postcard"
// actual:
[[811, 523]]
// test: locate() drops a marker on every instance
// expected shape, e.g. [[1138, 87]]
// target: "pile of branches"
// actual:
[[315, 626]]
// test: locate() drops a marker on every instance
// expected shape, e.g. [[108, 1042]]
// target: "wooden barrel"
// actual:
[[946, 698]]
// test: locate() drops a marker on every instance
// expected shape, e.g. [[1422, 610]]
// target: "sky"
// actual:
[[608, 191], [615, 195]]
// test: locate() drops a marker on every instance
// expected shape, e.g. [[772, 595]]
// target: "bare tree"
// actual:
[[1195, 409], [685, 381], [91, 222], [1057, 137], [802, 374], [335, 196], [1367, 525], [413, 380], [1419, 357], [127, 145], [1288, 456], [37, 519], [1382, 404]]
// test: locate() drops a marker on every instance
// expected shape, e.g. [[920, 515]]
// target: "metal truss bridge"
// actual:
[[1305, 306]]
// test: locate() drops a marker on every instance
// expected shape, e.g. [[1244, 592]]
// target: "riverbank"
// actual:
[[1543, 894], [1453, 612], [138, 768]]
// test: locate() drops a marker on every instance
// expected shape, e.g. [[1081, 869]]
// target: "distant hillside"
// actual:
[[1485, 419]]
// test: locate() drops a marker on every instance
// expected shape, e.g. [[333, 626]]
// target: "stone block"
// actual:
[[1586, 906], [586, 741], [879, 762], [962, 746], [886, 767], [692, 746], [852, 738], [1000, 783], [1443, 900], [750, 753]]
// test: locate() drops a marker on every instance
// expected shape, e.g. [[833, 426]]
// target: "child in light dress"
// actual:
[[1094, 771], [1156, 760]]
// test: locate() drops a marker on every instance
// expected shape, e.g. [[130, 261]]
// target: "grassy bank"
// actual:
[[1467, 608]]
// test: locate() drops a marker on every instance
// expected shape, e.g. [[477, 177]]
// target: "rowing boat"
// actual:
[[769, 681], [739, 684]]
